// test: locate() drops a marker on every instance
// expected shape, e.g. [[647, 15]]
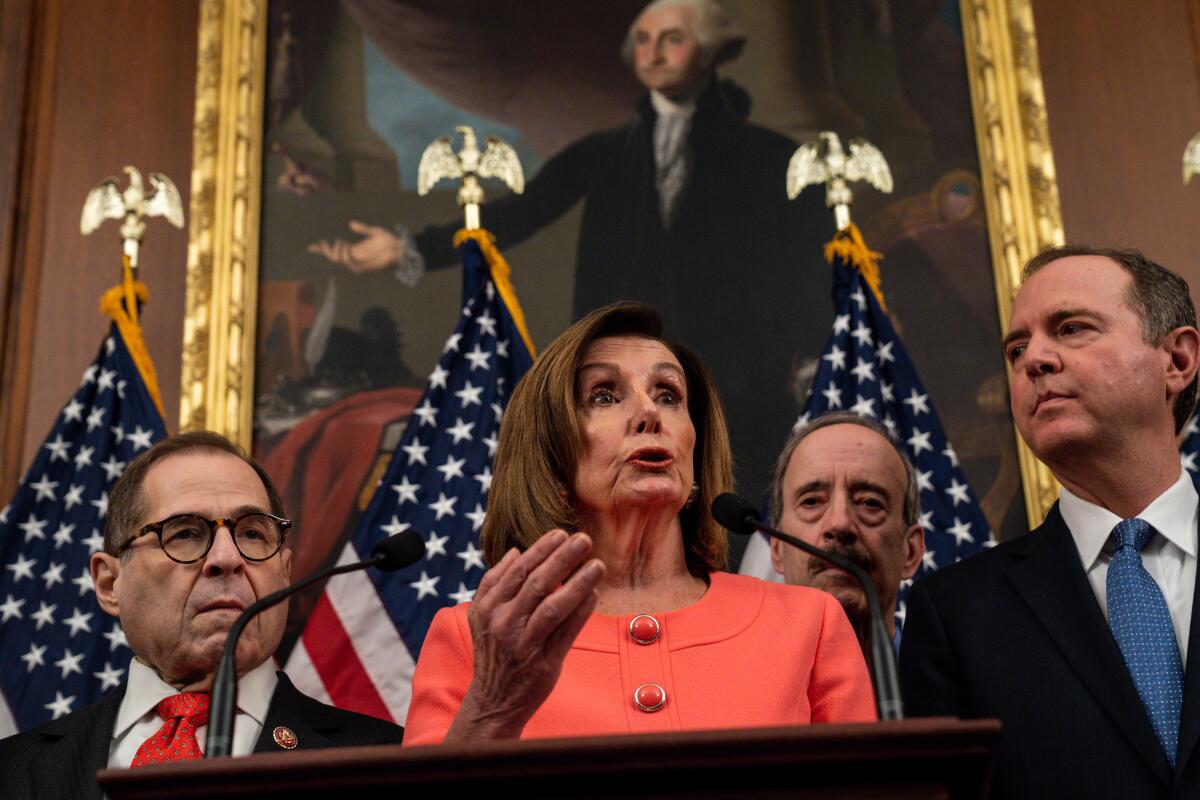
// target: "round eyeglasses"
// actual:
[[187, 538]]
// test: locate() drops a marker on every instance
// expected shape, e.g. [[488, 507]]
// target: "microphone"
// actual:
[[740, 516], [395, 552]]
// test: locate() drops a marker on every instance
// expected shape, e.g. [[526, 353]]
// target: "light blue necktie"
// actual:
[[1141, 624]]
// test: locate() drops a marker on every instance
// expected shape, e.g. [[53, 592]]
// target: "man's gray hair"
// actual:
[[912, 488], [721, 39]]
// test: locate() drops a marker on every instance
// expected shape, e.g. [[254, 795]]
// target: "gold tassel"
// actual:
[[501, 276], [120, 304], [848, 245]]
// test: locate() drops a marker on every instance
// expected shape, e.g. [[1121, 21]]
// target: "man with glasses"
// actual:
[[195, 533]]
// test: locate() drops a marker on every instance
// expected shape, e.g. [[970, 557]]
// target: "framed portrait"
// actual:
[[321, 285]]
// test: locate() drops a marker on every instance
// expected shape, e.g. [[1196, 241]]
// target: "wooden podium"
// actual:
[[919, 758]]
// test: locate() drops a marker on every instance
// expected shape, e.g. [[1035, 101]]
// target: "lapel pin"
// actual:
[[285, 737]]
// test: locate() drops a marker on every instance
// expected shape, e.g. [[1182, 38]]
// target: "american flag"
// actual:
[[361, 642], [865, 369], [58, 651]]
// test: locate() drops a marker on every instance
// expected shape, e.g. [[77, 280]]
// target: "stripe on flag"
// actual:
[[346, 679], [362, 641]]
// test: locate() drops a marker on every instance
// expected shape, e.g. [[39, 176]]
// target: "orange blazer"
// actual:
[[747, 654]]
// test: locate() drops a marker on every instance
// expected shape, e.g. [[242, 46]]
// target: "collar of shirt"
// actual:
[[665, 106], [146, 689], [1174, 514]]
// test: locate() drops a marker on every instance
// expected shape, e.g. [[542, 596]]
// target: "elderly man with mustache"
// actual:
[[843, 484]]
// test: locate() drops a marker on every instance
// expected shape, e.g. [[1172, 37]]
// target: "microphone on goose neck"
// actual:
[[393, 553]]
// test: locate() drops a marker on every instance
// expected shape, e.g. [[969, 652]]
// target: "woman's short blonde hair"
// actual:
[[541, 442]]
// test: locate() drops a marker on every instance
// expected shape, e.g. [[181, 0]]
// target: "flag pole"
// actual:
[[823, 161], [360, 645], [132, 206], [865, 370], [59, 651]]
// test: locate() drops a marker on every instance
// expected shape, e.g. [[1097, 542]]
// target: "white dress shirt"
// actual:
[[671, 126], [138, 719], [1169, 558]]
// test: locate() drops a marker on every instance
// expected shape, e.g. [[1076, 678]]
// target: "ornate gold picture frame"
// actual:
[[1015, 160]]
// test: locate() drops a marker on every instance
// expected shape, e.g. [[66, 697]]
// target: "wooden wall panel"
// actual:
[[26, 69], [123, 93], [17, 22], [1123, 99]]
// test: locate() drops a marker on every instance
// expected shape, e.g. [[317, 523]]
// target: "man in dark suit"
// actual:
[[1076, 636], [195, 533]]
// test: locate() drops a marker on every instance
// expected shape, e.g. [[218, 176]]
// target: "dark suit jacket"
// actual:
[[61, 758], [1016, 633]]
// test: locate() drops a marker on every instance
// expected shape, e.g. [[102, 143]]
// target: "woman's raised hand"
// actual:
[[527, 611]]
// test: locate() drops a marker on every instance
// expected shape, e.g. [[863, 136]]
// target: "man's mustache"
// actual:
[[854, 553]]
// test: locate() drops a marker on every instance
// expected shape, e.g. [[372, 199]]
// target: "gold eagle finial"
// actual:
[[498, 160], [106, 201], [830, 165]]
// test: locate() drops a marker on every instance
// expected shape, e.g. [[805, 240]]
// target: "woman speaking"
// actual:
[[605, 610]]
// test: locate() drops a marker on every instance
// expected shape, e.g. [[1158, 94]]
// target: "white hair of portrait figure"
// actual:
[[721, 39]]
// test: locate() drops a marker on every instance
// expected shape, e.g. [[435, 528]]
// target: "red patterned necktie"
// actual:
[[176, 739]]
